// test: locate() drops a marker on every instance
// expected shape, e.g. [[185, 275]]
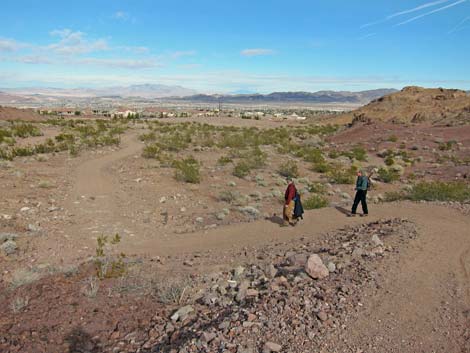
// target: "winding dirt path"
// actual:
[[424, 298]]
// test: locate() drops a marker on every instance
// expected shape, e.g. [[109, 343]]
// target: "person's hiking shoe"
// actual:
[[352, 215], [364, 215]]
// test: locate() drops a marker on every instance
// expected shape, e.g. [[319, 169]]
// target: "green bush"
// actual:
[[25, 130], [388, 175], [224, 160], [359, 153], [315, 202], [241, 169], [187, 170], [393, 138], [317, 188], [389, 161], [322, 167], [151, 151], [289, 169], [440, 191], [338, 175]]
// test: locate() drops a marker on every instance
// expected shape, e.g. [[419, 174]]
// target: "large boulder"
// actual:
[[316, 268]]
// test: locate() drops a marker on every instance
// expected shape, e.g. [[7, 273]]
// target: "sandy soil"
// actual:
[[424, 296]]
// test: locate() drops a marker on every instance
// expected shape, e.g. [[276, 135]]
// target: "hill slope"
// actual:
[[415, 105]]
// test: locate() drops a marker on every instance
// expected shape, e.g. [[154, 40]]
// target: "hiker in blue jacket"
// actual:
[[362, 184]]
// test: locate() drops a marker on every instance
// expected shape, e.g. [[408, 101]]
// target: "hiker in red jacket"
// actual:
[[289, 204]]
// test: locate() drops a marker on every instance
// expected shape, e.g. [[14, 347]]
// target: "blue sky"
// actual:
[[226, 46]]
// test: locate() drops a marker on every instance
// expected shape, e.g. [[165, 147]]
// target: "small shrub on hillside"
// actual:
[[446, 146], [224, 160], [322, 167], [151, 151], [317, 188], [187, 170], [389, 161], [393, 138], [241, 169], [107, 266], [289, 169], [388, 175], [359, 153], [315, 202], [25, 130], [440, 191], [338, 175]]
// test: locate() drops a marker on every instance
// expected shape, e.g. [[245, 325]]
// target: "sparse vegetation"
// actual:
[[289, 169], [315, 202], [19, 304], [187, 170], [108, 266], [340, 175], [388, 175], [433, 191]]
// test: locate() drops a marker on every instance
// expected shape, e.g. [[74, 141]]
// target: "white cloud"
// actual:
[[257, 52], [121, 15], [120, 63], [180, 54], [10, 45], [460, 26], [415, 9], [75, 43], [431, 12], [34, 59]]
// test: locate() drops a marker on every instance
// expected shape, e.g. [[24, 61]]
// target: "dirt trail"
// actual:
[[426, 291], [96, 199]]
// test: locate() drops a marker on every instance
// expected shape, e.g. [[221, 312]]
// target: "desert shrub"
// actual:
[[19, 303], [315, 202], [313, 155], [333, 154], [389, 161], [171, 291], [392, 196], [5, 135], [392, 138], [322, 167], [440, 191], [187, 170], [359, 153], [388, 175], [446, 146], [255, 158], [25, 130], [289, 169], [23, 151], [228, 196], [91, 287], [317, 188], [23, 277], [339, 175], [151, 151], [241, 169], [107, 266], [224, 160], [149, 137]]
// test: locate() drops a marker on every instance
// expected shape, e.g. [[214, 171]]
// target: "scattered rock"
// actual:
[[182, 313], [315, 267], [271, 347], [9, 247]]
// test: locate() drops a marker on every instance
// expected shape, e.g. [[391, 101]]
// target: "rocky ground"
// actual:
[[207, 268]]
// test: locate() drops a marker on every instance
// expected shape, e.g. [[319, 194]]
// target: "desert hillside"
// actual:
[[416, 105], [7, 113]]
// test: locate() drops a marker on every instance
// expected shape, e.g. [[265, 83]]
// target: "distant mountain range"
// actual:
[[362, 97], [149, 91]]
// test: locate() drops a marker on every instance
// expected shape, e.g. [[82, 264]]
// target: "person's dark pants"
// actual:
[[361, 196]]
